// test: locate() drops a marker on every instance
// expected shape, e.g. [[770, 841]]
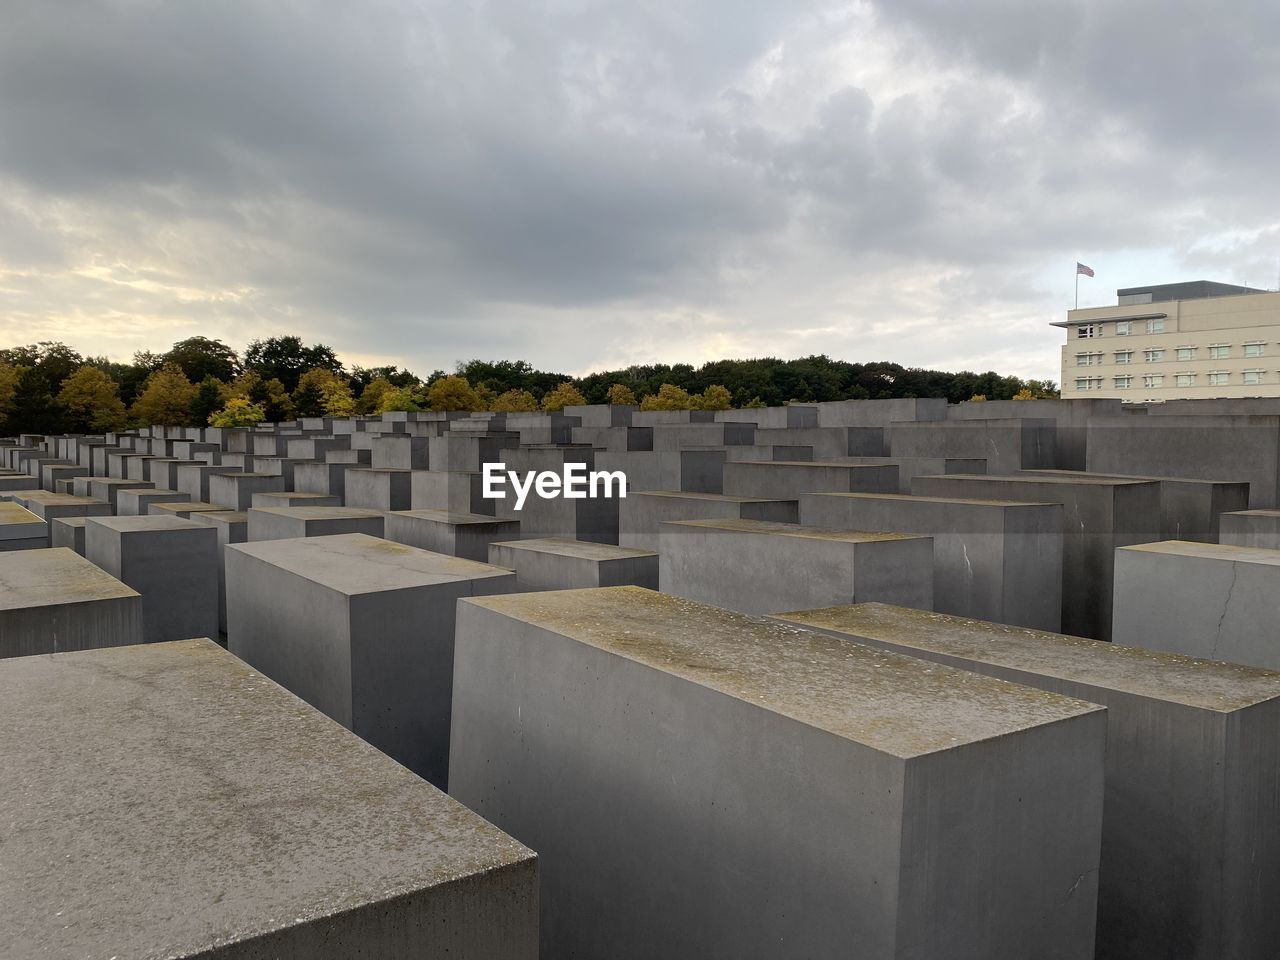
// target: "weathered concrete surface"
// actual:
[[702, 784], [20, 528], [1191, 825], [754, 566], [215, 815], [53, 600], [295, 499], [360, 628], [108, 489], [879, 413], [1071, 416], [695, 471], [1201, 599], [911, 467], [446, 492], [234, 491], [1228, 448], [995, 560], [560, 564], [641, 513], [1250, 528], [783, 480], [172, 562], [1189, 509], [282, 523], [465, 535], [1098, 515], [1006, 445], [377, 489], [183, 509]]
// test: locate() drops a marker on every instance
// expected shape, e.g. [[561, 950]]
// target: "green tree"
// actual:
[[372, 395], [453, 393], [8, 387], [514, 401], [200, 357], [715, 397], [32, 409], [404, 399], [564, 395], [211, 395], [286, 359], [621, 394], [167, 398], [52, 361], [238, 412], [90, 401]]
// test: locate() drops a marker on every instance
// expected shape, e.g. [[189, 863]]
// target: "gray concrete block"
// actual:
[[754, 566], [1098, 516], [20, 529], [449, 492], [270, 832], [592, 518], [54, 600], [1191, 822], [995, 560], [135, 503], [782, 480], [559, 564], [193, 479], [692, 436], [295, 499], [401, 453], [231, 527], [1200, 599], [360, 628], [1250, 528], [54, 506], [182, 509], [378, 489], [68, 532], [171, 562], [879, 413], [108, 489], [321, 478], [641, 513], [911, 467], [283, 523], [695, 471], [702, 784], [1006, 445], [1071, 416], [234, 491], [465, 535]]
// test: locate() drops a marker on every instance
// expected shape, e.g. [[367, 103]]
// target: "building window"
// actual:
[[1153, 355], [1155, 325], [1088, 383], [1219, 379], [1088, 359], [1124, 356], [1151, 382], [1087, 331], [1185, 380], [1123, 383], [1253, 377], [1186, 353], [1219, 351], [1124, 328], [1253, 349]]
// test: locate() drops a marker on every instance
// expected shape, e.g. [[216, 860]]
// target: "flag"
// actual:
[[1081, 268]]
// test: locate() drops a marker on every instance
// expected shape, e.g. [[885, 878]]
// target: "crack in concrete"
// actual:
[[1226, 605]]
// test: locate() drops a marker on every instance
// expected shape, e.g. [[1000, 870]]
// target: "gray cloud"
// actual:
[[584, 183]]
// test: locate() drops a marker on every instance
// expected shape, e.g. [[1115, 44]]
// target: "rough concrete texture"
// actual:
[[360, 628], [170, 801], [560, 564], [1098, 515], [183, 509], [771, 791], [134, 503], [53, 600], [753, 566], [172, 562], [19, 523], [1201, 599], [377, 489], [1006, 445], [293, 499], [68, 532], [1250, 528], [641, 513], [911, 467], [465, 535], [1191, 826], [992, 559], [282, 523], [695, 471], [234, 491], [231, 527]]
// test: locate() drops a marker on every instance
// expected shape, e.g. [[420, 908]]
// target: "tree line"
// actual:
[[49, 387]]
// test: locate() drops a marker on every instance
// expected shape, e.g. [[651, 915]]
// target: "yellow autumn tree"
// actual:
[[514, 401], [668, 397], [166, 398], [564, 395], [621, 394], [238, 412], [1024, 394], [91, 401], [372, 395], [453, 393], [715, 397]]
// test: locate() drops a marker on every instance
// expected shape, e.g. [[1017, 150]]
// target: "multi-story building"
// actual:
[[1175, 341]]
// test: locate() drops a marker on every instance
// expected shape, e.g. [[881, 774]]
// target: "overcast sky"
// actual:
[[587, 185]]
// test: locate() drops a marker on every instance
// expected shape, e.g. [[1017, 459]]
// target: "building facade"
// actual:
[[1177, 341]]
